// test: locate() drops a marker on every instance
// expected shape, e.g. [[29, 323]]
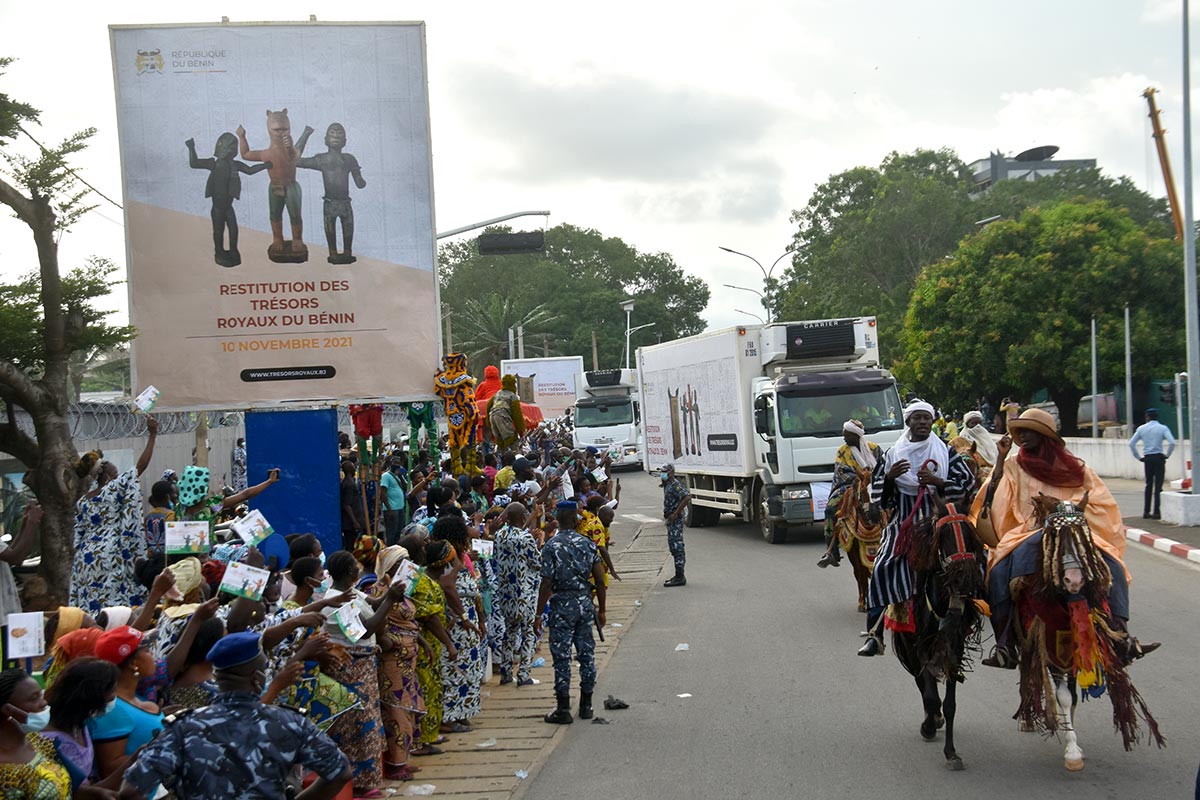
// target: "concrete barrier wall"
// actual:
[[1111, 458]]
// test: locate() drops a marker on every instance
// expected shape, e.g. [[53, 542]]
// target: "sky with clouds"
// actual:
[[677, 127]]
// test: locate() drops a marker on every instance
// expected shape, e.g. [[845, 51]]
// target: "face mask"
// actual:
[[665, 477], [321, 556], [36, 721]]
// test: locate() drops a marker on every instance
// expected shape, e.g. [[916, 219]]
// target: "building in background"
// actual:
[[1037, 162]]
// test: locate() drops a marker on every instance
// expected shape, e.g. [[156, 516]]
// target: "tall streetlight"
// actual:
[[765, 271], [1191, 305], [750, 314], [627, 307], [744, 289]]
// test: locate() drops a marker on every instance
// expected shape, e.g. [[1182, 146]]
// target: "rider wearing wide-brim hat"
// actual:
[[1043, 465]]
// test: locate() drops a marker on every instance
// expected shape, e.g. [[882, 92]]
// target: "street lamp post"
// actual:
[[765, 272], [750, 314]]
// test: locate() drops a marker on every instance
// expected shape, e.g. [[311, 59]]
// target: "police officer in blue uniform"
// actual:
[[676, 498], [570, 565], [237, 747]]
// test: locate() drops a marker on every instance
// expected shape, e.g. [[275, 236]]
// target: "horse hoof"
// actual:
[[955, 764], [940, 721], [928, 732], [1073, 764]]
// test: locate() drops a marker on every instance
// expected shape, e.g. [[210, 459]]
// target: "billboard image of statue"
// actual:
[[233, 305]]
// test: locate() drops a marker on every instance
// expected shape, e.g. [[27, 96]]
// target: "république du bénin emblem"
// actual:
[[149, 61]]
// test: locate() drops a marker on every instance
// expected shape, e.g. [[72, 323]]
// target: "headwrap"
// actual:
[[388, 558], [212, 572], [116, 616], [69, 619], [187, 576], [69, 647], [437, 556], [1052, 464], [193, 486], [862, 453], [169, 475], [985, 445], [501, 500], [366, 549], [918, 405]]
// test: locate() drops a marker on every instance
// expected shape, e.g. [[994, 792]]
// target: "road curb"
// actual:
[[1163, 544]]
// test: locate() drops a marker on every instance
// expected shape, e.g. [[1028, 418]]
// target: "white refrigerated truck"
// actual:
[[608, 415], [752, 416]]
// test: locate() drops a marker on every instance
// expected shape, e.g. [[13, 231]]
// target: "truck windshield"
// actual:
[[878, 409], [618, 412]]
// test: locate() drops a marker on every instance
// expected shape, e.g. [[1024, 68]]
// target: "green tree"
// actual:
[[43, 192], [1010, 311], [1010, 198], [22, 318], [484, 325], [865, 235], [572, 288]]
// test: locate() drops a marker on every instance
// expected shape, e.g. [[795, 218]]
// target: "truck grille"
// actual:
[[821, 339]]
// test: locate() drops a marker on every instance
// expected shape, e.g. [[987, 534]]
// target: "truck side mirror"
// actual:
[[760, 415]]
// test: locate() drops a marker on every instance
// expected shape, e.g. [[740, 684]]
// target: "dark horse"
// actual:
[[943, 622], [1069, 638]]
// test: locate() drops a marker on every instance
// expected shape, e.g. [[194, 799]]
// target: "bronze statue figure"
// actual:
[[336, 168], [282, 156], [224, 186]]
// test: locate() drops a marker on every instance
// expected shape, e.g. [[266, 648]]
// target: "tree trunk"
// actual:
[[56, 486], [1067, 399]]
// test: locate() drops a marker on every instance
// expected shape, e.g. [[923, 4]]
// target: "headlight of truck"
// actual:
[[796, 494], [631, 451]]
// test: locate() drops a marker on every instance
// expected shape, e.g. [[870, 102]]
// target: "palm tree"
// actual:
[[485, 324]]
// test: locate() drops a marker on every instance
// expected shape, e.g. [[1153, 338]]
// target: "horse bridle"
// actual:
[[962, 550]]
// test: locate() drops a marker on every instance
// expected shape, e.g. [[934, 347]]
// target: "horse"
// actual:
[[1068, 638], [859, 528], [936, 632]]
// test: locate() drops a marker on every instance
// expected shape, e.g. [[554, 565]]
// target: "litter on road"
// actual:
[[685, 694], [487, 743], [421, 790], [615, 703], [522, 774], [681, 646]]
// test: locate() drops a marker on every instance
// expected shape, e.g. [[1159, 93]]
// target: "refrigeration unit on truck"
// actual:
[[751, 416], [608, 414]]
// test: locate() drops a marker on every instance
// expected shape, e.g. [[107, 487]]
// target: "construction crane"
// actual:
[[1164, 160]]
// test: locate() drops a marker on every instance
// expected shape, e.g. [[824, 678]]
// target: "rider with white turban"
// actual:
[[974, 432], [853, 458], [919, 460]]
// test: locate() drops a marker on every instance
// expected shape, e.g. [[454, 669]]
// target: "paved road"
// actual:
[[781, 707]]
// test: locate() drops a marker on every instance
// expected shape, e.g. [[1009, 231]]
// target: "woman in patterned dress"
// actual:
[[399, 688], [429, 608], [108, 531], [462, 677]]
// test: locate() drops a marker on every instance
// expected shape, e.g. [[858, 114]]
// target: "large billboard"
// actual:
[[278, 211], [548, 383]]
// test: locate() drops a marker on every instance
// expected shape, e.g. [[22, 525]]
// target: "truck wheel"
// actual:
[[773, 532], [712, 516], [694, 517]]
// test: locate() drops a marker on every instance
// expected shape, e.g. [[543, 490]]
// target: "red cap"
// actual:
[[119, 644]]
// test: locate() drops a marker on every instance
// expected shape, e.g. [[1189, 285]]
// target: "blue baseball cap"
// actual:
[[567, 505]]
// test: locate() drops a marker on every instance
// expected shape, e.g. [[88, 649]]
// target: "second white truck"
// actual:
[[751, 417], [608, 415]]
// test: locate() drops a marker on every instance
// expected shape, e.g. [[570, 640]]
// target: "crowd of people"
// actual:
[[877, 497], [353, 663]]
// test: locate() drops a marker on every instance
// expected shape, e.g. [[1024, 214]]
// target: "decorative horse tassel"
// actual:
[[1086, 652]]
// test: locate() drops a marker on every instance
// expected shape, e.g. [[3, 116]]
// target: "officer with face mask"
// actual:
[[237, 747], [675, 499]]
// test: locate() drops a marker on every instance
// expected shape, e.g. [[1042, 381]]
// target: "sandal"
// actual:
[[457, 727], [427, 750]]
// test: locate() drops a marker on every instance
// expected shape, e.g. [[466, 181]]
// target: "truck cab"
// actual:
[[816, 376], [608, 415]]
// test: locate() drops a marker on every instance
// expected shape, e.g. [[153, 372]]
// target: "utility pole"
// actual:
[[595, 351], [1192, 305], [512, 345], [520, 341], [1129, 377], [545, 344], [449, 335], [1095, 399]]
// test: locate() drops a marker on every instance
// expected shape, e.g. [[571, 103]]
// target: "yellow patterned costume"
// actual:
[[457, 390]]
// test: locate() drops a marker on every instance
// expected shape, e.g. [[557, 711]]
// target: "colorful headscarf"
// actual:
[[193, 486], [187, 576], [366, 549], [69, 647], [116, 616], [388, 558], [69, 619]]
